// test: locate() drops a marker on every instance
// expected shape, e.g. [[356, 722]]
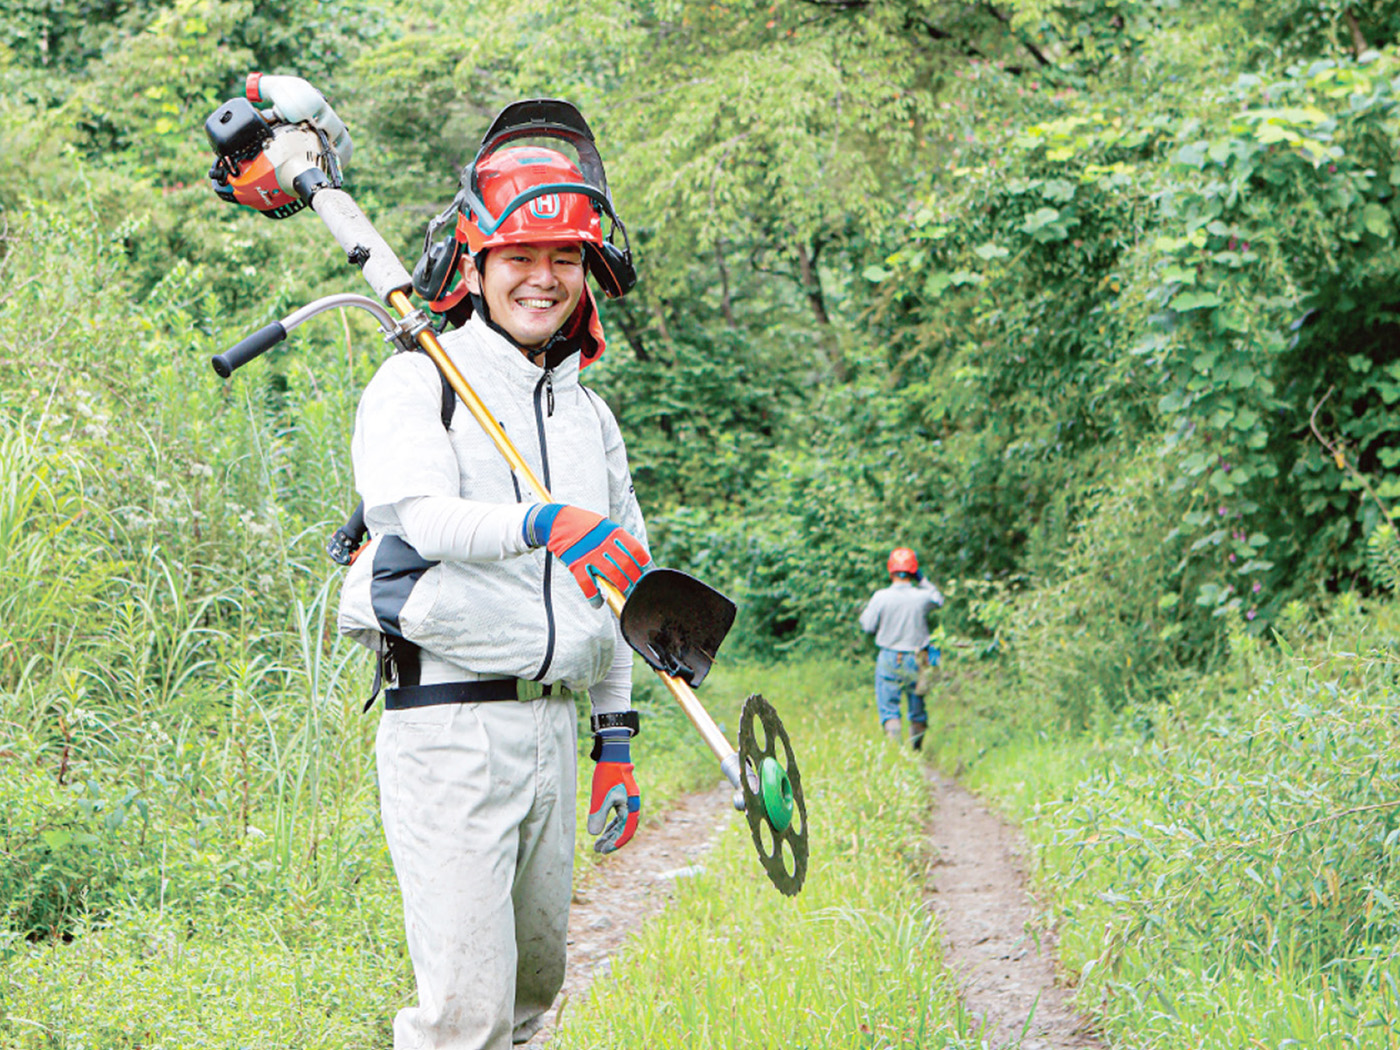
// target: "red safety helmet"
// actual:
[[902, 559], [521, 205]]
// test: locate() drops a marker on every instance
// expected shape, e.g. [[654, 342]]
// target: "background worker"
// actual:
[[897, 616], [485, 608]]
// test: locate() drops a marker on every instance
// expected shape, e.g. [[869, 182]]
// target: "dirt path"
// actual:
[[630, 886], [978, 889]]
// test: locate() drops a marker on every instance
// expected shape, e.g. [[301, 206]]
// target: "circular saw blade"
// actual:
[[782, 853]]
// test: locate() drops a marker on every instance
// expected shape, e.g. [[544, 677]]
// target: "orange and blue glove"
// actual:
[[590, 545], [615, 793]]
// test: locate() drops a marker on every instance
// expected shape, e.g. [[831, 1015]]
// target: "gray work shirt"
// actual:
[[897, 615]]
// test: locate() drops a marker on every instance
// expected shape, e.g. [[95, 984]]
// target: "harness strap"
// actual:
[[449, 401], [402, 658], [490, 689], [397, 661]]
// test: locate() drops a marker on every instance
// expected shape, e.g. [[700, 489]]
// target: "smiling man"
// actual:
[[483, 602], [533, 289]]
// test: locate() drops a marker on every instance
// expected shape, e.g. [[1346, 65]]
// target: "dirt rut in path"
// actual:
[[978, 888], [633, 884]]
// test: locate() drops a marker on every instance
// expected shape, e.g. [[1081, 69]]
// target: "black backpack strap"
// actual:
[[449, 396], [377, 684], [398, 661], [449, 401]]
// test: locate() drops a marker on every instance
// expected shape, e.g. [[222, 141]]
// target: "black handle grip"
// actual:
[[260, 342], [355, 525]]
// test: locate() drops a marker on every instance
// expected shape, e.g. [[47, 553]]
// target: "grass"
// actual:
[[852, 961], [251, 943], [190, 851], [181, 979], [1221, 869]]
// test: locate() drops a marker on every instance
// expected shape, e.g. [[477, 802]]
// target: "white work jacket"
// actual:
[[521, 617]]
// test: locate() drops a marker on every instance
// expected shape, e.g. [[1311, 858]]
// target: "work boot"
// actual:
[[892, 729], [916, 734]]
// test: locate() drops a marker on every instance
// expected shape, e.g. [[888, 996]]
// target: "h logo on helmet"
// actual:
[[545, 206]]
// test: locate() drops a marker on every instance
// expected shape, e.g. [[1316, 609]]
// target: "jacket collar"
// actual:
[[510, 364]]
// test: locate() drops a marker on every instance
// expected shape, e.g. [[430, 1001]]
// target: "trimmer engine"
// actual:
[[258, 160]]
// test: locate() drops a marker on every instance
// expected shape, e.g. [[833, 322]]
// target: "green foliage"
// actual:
[[1110, 628], [1222, 865], [1383, 557], [1261, 841], [303, 973], [1236, 286], [1055, 293], [1185, 278], [1326, 27], [64, 848], [42, 523], [705, 395]]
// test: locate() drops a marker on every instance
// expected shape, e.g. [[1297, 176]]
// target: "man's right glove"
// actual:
[[615, 793], [590, 545]]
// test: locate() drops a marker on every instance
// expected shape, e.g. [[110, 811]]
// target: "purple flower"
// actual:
[[1232, 558], [1257, 587], [1223, 511], [1250, 615]]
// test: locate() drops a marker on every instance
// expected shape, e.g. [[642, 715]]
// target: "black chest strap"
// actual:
[[449, 401]]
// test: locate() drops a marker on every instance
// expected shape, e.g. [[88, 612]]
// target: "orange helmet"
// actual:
[[902, 559], [522, 199]]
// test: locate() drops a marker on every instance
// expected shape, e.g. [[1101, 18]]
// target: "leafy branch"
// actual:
[[1339, 456]]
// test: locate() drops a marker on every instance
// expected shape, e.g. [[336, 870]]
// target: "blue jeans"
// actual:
[[895, 676]]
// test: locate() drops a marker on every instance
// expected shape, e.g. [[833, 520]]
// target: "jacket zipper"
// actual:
[[546, 384]]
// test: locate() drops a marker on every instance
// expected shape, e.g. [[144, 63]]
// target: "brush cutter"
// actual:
[[290, 156]]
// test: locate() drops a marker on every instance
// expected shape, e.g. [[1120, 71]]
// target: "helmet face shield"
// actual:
[[520, 189]]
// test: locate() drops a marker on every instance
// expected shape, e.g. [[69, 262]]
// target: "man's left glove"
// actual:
[[591, 545], [615, 793]]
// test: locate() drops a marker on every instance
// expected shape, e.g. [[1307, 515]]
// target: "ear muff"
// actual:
[[436, 268], [612, 268]]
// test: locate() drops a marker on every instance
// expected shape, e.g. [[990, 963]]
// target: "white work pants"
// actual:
[[478, 805]]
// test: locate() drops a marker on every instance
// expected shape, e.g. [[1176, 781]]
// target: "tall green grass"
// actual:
[[1224, 869], [262, 934]]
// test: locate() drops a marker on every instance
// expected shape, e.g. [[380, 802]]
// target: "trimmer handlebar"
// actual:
[[267, 337], [255, 345]]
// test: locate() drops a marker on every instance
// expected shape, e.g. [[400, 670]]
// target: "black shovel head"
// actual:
[[676, 623]]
